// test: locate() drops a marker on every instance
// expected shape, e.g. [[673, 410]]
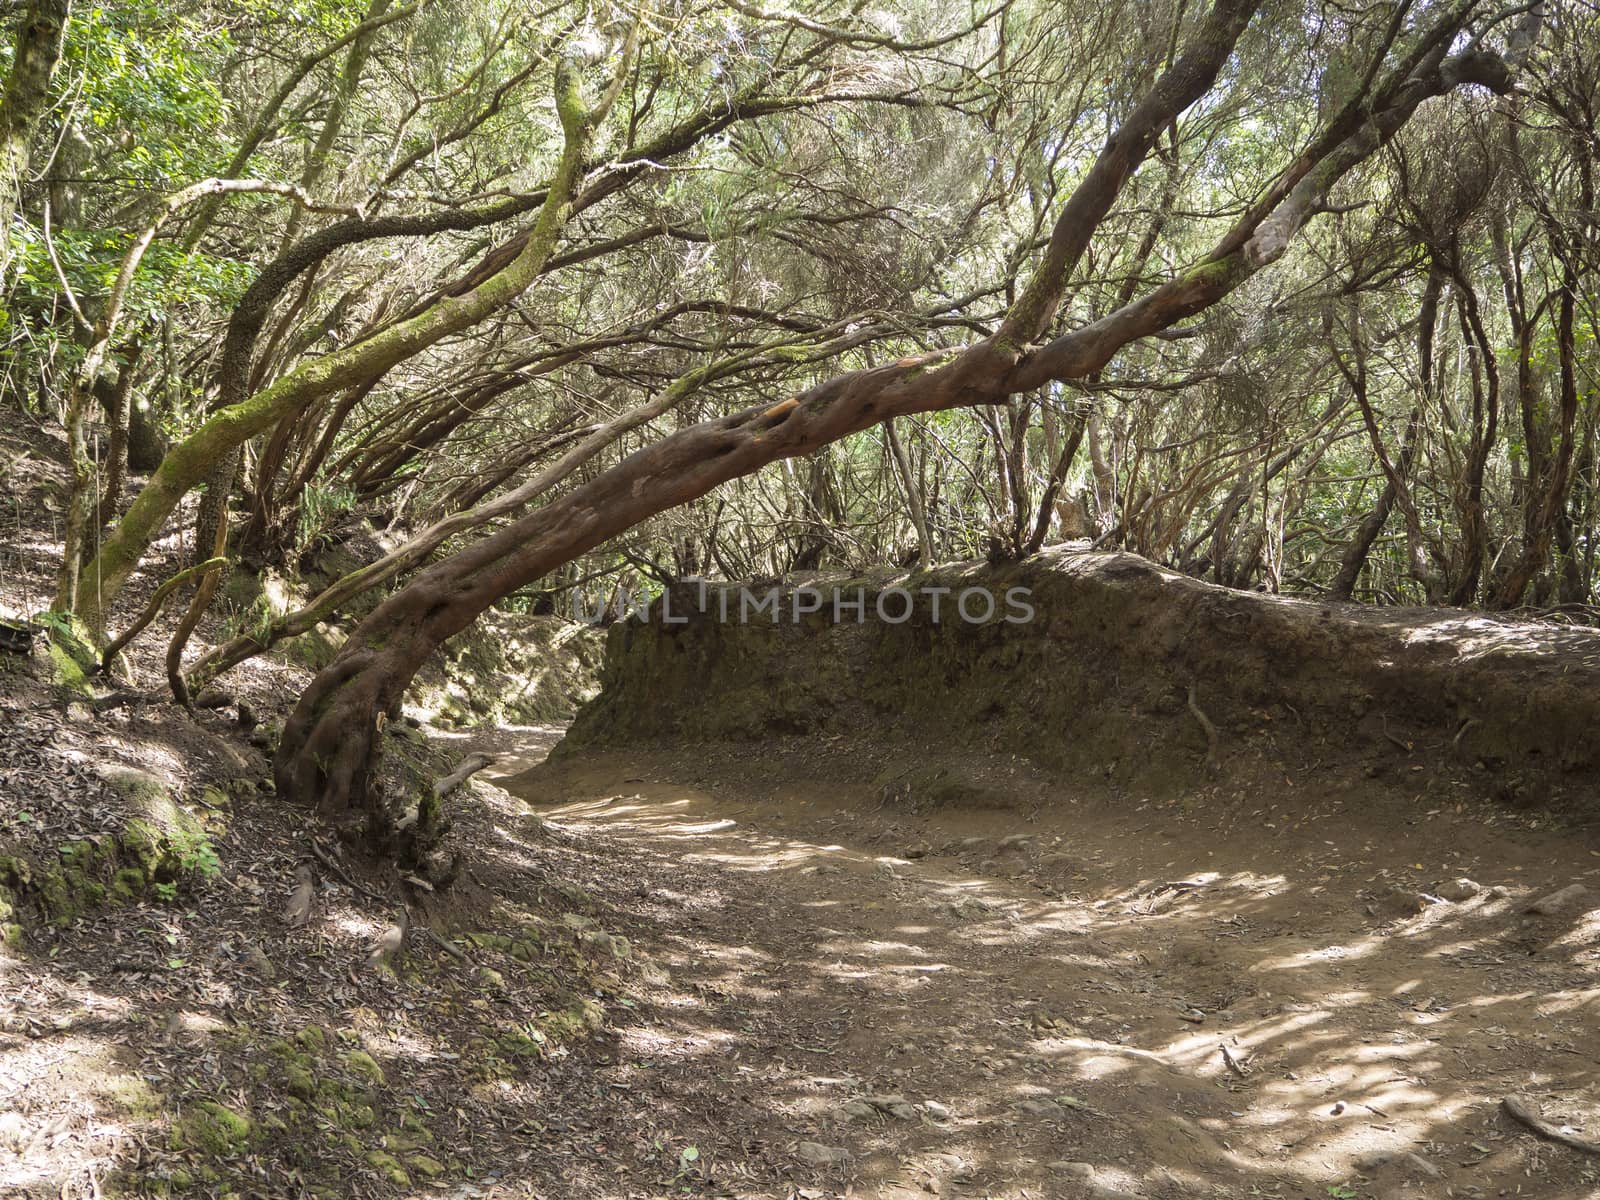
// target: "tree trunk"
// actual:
[[26, 98], [192, 460], [329, 745]]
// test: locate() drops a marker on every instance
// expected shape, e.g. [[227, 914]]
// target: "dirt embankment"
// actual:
[[1127, 671]]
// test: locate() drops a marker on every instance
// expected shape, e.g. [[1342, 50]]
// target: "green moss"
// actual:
[[214, 1128], [313, 1038], [128, 885], [349, 1115], [521, 1045], [145, 846], [64, 669], [413, 1136], [577, 1020], [15, 872], [389, 1166], [55, 895], [11, 934], [300, 1081], [133, 1096], [428, 1168], [1216, 273], [364, 1064]]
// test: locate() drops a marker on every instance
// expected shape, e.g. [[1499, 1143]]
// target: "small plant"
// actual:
[[199, 856], [196, 855]]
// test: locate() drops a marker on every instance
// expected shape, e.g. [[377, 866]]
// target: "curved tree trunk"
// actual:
[[329, 747]]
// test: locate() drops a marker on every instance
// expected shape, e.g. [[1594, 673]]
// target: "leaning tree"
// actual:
[[1407, 54]]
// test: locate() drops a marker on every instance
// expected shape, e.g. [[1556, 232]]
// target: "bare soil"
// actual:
[[1051, 991], [741, 969]]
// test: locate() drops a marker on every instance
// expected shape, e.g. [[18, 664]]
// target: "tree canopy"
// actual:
[[1293, 296]]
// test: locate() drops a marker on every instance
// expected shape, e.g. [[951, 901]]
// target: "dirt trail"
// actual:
[[1008, 1004]]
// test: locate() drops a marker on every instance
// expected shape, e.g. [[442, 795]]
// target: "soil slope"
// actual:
[[1146, 677]]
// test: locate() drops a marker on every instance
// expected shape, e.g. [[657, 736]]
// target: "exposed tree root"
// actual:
[[1525, 1112], [1209, 729]]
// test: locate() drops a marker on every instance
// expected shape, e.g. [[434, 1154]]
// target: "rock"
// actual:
[[389, 1166], [1458, 891], [1014, 843], [1073, 1170], [1561, 901], [1087, 1172], [969, 908], [1397, 902], [214, 1128], [936, 1110], [915, 852], [428, 1168], [364, 1065], [597, 941], [1047, 1109], [897, 1107], [14, 1132], [855, 1110], [1369, 1164], [256, 961], [817, 1155]]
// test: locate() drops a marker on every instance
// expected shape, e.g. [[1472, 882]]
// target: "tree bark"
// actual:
[[192, 460], [329, 745], [24, 101]]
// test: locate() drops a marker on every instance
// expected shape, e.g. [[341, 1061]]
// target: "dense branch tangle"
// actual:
[[328, 746], [513, 323]]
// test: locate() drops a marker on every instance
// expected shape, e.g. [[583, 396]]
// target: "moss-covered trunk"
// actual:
[[190, 461]]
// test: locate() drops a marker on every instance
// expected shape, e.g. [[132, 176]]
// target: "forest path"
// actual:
[[876, 1003]]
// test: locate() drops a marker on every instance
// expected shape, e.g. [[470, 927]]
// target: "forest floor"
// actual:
[[721, 972], [678, 977], [871, 1002]]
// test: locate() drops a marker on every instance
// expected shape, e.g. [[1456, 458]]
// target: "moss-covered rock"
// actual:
[[514, 668], [213, 1128], [128, 885], [389, 1167], [364, 1065], [300, 1081], [579, 1019], [428, 1168]]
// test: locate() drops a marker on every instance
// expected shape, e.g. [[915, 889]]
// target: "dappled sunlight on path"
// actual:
[[978, 1003]]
